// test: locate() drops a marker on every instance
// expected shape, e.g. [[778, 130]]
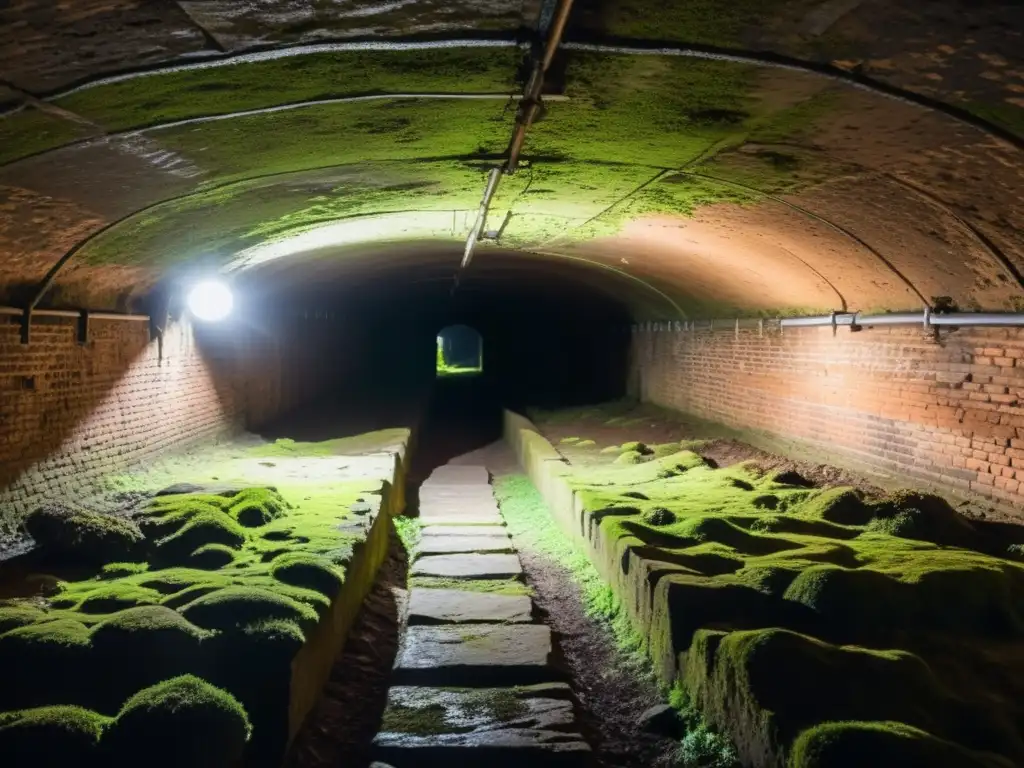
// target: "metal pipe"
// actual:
[[840, 318], [531, 95], [978, 318], [894, 318], [926, 318]]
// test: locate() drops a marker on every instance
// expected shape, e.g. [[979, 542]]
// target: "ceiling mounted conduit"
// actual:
[[528, 106]]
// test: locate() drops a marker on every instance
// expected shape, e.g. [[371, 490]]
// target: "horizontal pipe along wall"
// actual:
[[909, 406]]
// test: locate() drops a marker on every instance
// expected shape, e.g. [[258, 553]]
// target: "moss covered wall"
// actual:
[[946, 412], [70, 413]]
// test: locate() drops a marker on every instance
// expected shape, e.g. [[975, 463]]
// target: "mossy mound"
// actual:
[[233, 607], [611, 449], [786, 607], [207, 527], [44, 663], [212, 557], [634, 445], [923, 516], [658, 516], [233, 581], [630, 457], [662, 450], [13, 616], [150, 723], [307, 571], [857, 744], [255, 507], [52, 736], [116, 570], [159, 641], [770, 685], [79, 535]]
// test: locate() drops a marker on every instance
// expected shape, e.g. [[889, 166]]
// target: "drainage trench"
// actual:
[[474, 647]]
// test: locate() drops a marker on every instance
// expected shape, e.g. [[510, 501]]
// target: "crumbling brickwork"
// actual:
[[71, 413], [948, 412]]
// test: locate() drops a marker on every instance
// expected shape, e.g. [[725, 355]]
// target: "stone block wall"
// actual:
[[71, 413], [946, 412]]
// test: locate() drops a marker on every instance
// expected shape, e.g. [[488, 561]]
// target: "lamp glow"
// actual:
[[210, 301]]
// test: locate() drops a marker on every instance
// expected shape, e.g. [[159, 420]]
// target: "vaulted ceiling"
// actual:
[[693, 159]]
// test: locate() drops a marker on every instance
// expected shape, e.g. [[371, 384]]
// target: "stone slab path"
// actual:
[[473, 682]]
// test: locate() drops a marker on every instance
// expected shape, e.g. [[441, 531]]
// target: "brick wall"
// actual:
[[947, 413], [71, 413]]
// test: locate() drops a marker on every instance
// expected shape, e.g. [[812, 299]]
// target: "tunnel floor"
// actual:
[[585, 698]]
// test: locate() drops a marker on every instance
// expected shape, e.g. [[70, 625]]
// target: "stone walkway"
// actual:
[[474, 682]]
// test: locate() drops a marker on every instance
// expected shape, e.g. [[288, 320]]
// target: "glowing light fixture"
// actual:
[[210, 301]]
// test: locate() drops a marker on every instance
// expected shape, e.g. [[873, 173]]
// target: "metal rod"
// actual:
[[481, 216], [531, 95]]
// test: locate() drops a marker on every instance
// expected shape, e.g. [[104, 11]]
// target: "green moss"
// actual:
[[585, 444], [417, 721], [217, 725], [254, 507], [30, 131], [81, 535], [791, 607], [56, 735], [409, 531], [13, 616], [630, 457], [311, 572], [658, 516], [44, 662], [854, 744], [116, 570], [363, 443], [704, 21], [202, 528], [218, 90], [494, 586], [612, 449], [212, 557], [662, 450], [633, 446], [229, 608], [569, 440]]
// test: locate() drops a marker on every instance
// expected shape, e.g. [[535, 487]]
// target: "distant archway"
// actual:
[[460, 351]]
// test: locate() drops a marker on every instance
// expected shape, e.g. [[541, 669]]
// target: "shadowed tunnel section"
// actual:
[[553, 332]]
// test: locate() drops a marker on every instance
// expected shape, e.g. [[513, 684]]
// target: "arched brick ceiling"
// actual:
[[840, 154]]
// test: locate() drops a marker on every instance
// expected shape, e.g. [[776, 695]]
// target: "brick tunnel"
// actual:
[[731, 473]]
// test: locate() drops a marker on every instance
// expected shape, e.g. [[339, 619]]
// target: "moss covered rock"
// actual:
[[44, 663], [14, 616], [52, 736], [302, 570], [153, 721], [857, 744], [630, 457], [233, 607], [254, 507], [659, 516], [207, 527], [62, 531]]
